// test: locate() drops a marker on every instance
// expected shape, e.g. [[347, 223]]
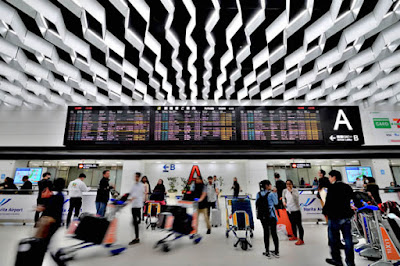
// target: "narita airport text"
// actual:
[[11, 210], [312, 209]]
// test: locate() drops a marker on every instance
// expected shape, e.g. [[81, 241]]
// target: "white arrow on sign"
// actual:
[[332, 138]]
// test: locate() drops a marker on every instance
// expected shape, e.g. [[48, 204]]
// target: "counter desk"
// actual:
[[21, 207]]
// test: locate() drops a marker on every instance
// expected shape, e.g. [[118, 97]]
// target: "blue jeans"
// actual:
[[101, 208], [334, 228]]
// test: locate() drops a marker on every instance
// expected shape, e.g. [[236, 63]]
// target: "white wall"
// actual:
[[30, 128], [7, 169], [129, 169]]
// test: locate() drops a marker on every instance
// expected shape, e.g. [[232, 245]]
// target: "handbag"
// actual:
[[46, 193]]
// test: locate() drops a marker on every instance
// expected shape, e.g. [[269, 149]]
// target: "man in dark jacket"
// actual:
[[103, 193], [26, 188], [43, 184], [337, 209], [280, 186]]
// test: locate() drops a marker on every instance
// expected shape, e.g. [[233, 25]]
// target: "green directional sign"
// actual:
[[382, 123]]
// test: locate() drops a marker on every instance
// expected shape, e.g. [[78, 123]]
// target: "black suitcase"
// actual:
[[31, 252], [92, 229]]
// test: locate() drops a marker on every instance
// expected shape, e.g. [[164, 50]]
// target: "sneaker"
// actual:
[[293, 238], [267, 254], [208, 231], [333, 262], [134, 241], [275, 254], [299, 242]]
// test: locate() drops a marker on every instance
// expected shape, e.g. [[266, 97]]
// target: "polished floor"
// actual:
[[214, 249]]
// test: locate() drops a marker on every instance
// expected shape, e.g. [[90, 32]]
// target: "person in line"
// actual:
[[147, 187], [280, 186], [199, 191], [359, 183], [302, 182], [373, 190], [266, 200], [137, 195], [159, 191], [290, 199], [43, 184], [212, 195], [8, 187], [323, 183], [75, 189], [315, 184], [337, 209], [103, 193], [235, 187], [26, 188]]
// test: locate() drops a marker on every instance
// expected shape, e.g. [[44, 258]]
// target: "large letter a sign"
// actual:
[[195, 170]]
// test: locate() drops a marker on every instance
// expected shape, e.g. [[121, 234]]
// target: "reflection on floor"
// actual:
[[214, 249]]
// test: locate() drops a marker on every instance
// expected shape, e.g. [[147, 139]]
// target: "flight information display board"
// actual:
[[281, 124], [107, 125], [186, 123]]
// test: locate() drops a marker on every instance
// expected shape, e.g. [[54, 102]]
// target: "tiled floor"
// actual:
[[214, 249]]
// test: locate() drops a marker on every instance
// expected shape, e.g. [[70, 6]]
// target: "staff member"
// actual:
[[103, 193], [137, 194], [43, 184], [337, 209], [75, 189], [26, 188]]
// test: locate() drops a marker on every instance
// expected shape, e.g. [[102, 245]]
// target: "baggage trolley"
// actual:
[[100, 240], [239, 220], [153, 209], [179, 223]]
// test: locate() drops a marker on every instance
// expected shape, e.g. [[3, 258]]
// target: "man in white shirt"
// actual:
[[75, 189], [137, 194]]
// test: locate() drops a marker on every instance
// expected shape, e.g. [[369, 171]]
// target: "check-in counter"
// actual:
[[22, 207]]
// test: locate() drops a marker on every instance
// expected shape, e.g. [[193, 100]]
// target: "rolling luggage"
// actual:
[[92, 229], [283, 219], [31, 252], [216, 217]]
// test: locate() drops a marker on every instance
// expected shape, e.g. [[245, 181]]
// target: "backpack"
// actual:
[[262, 207]]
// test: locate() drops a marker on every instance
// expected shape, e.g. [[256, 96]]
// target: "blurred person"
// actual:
[[315, 183], [216, 183], [8, 187], [266, 200], [159, 191], [212, 195], [280, 186], [75, 189], [43, 184], [323, 183], [147, 187], [199, 191], [392, 187], [337, 209], [290, 199], [137, 195], [302, 182], [26, 188], [235, 187], [373, 190], [103, 193]]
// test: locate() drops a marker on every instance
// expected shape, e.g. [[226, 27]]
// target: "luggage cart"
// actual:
[[101, 241], [178, 222], [239, 220], [153, 209]]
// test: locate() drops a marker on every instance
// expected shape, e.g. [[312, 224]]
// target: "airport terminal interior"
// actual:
[[199, 132]]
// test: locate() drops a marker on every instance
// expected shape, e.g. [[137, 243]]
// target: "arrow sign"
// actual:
[[332, 138]]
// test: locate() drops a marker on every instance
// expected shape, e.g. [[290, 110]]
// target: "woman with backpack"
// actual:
[[266, 200], [290, 199]]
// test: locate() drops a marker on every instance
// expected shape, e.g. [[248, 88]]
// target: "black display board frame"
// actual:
[[328, 117]]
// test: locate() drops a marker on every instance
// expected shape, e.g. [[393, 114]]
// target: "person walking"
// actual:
[[235, 187], [137, 195], [103, 193], [199, 191], [44, 184], [290, 199], [266, 200], [337, 209], [212, 195], [280, 186], [75, 189]]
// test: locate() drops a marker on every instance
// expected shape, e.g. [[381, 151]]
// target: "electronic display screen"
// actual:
[[108, 125], [34, 174], [195, 123], [357, 172]]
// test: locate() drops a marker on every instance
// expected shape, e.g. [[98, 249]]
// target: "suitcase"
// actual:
[[216, 217], [92, 229], [283, 219], [31, 252]]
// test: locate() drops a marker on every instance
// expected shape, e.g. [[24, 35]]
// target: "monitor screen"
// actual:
[[357, 171], [34, 174]]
